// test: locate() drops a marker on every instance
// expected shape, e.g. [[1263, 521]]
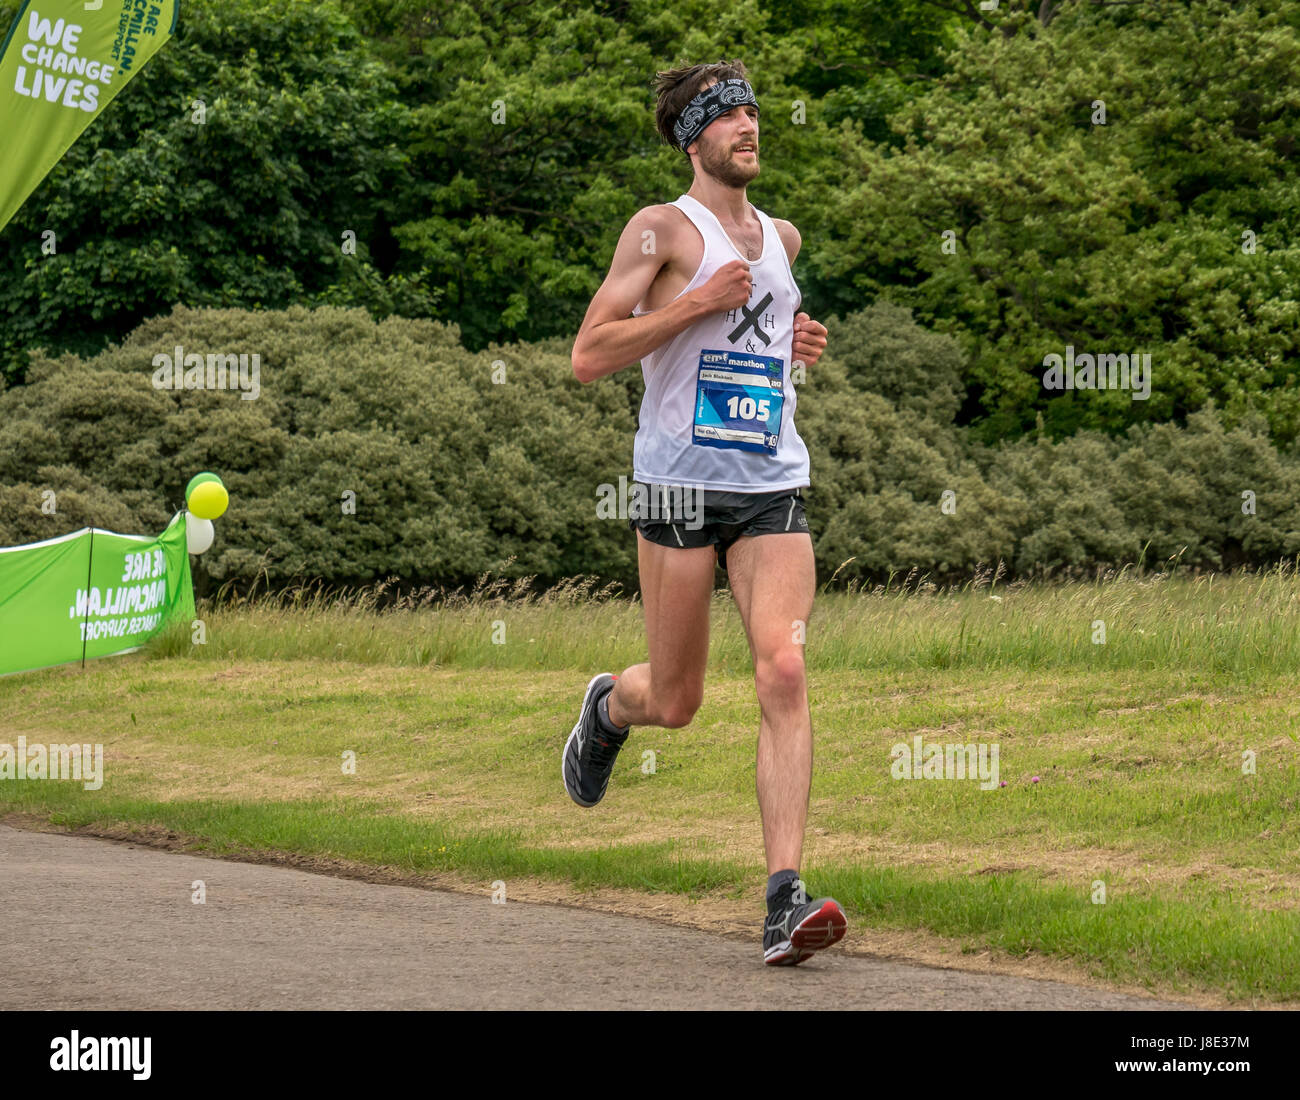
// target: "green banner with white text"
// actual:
[[91, 593], [62, 63]]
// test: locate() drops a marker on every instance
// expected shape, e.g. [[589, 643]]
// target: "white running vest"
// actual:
[[718, 411]]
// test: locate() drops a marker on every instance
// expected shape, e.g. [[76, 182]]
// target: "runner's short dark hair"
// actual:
[[677, 87]]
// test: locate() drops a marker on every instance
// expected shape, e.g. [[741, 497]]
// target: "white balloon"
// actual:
[[199, 533]]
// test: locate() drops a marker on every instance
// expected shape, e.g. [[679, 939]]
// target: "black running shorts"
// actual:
[[694, 518]]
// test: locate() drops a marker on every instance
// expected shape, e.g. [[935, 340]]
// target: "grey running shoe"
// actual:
[[795, 932], [589, 752]]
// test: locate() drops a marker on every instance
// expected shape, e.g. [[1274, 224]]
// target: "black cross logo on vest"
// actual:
[[751, 318]]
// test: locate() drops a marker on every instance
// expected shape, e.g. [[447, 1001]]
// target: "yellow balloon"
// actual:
[[209, 500]]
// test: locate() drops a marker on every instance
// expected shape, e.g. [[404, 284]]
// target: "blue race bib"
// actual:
[[738, 401]]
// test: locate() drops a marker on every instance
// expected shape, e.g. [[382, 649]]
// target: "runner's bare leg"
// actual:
[[774, 579], [676, 589]]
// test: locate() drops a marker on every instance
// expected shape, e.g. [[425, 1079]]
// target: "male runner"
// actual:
[[707, 280]]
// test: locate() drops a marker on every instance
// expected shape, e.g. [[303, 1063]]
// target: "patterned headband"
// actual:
[[715, 101]]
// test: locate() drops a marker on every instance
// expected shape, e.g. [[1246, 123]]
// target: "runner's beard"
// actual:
[[723, 165]]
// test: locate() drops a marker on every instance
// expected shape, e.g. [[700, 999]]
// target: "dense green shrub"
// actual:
[[452, 473], [458, 463]]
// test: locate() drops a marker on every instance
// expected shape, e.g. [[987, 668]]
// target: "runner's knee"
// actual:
[[676, 713], [780, 677]]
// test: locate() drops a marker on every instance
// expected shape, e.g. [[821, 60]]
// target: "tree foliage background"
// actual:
[[1112, 177]]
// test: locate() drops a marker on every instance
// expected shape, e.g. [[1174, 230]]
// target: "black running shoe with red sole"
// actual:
[[799, 930]]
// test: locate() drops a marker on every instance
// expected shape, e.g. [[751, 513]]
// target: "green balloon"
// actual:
[[199, 479]]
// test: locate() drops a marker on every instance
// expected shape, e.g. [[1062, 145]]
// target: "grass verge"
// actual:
[[1165, 770]]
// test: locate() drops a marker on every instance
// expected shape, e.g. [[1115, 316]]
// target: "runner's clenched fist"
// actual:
[[809, 339], [729, 287]]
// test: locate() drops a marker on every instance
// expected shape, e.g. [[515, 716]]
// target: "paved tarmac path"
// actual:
[[94, 924]]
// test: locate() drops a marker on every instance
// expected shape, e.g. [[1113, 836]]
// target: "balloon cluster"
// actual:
[[206, 498]]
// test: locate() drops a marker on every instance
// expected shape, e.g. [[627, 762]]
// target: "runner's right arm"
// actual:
[[609, 338]]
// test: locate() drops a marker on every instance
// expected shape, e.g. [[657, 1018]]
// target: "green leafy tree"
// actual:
[[1017, 219], [535, 141], [226, 174]]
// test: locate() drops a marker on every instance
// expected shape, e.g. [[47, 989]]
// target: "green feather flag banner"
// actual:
[[91, 594], [62, 63]]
